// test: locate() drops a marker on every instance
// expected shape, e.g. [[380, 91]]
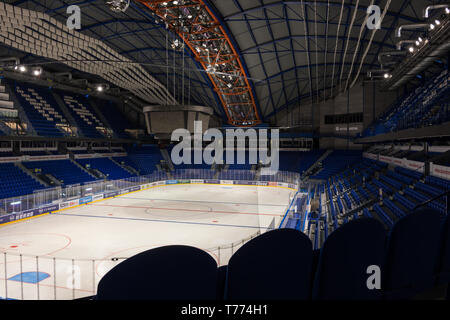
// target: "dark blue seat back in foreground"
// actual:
[[345, 258], [274, 266], [165, 273], [412, 252], [443, 267]]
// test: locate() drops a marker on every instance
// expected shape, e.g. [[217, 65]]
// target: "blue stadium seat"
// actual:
[[404, 201], [41, 109], [252, 267], [412, 253], [383, 215], [165, 273], [14, 182], [444, 184], [63, 170], [107, 167], [443, 267], [344, 259]]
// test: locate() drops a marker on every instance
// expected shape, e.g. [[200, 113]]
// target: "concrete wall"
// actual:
[[363, 97]]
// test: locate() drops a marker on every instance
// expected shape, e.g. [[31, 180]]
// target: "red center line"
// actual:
[[190, 210]]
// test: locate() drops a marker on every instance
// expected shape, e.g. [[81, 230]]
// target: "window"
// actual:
[[344, 118]]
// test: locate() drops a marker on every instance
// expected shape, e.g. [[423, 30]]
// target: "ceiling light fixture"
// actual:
[[118, 5]]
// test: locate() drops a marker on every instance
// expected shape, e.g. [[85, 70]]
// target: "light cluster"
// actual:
[[200, 30]]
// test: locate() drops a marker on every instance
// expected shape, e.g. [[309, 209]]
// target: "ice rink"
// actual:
[[64, 255]]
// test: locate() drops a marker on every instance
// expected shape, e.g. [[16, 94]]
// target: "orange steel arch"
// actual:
[[202, 32]]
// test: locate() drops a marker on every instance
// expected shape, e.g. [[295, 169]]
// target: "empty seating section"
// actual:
[[336, 162], [289, 161], [383, 215], [404, 201], [425, 106], [145, 159], [400, 177], [382, 186], [193, 165], [15, 182], [63, 170], [308, 159], [395, 209], [115, 118], [428, 189], [435, 181], [110, 169], [392, 182], [234, 158], [409, 173], [437, 205], [41, 109], [84, 115]]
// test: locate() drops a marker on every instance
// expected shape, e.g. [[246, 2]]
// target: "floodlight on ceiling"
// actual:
[[435, 7], [118, 5], [37, 71]]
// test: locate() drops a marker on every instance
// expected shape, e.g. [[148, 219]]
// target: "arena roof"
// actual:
[[288, 53]]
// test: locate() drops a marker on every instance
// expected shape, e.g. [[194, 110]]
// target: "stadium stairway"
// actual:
[[23, 115], [72, 160], [66, 172], [125, 164], [109, 168], [316, 163], [31, 174]]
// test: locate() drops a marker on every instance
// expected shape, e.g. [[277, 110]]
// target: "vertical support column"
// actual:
[[348, 119], [427, 161]]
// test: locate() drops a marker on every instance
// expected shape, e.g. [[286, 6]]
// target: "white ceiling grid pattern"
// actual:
[[39, 34]]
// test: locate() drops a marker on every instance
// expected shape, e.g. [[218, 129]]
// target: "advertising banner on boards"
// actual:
[[86, 200], [28, 214]]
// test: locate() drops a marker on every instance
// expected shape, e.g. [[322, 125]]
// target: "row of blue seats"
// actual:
[[383, 186], [387, 220], [392, 182], [400, 177], [445, 184], [395, 209], [437, 205], [404, 201], [428, 189], [409, 173], [413, 258]]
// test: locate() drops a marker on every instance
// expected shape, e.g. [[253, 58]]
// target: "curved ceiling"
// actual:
[[294, 52]]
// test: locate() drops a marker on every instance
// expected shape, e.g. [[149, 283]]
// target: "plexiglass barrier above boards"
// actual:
[[52, 197]]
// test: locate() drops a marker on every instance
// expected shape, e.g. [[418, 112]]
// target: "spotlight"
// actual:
[[118, 5], [420, 39], [432, 27], [437, 22], [22, 69], [447, 10], [387, 75], [37, 72], [417, 43], [411, 49], [99, 88]]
